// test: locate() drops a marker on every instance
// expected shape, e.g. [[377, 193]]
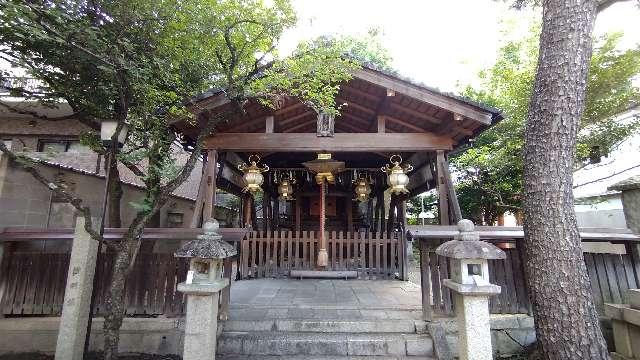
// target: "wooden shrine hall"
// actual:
[[324, 193]]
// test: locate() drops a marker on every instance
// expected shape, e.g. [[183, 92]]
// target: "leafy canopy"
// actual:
[[491, 168]]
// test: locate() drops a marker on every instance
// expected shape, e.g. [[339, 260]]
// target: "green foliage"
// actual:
[[136, 61], [491, 169]]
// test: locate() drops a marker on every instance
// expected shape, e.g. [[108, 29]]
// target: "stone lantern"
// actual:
[[202, 287], [471, 287]]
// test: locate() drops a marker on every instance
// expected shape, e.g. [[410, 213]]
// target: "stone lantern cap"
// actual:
[[467, 245], [632, 183], [208, 245]]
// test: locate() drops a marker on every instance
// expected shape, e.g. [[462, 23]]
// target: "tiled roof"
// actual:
[[87, 163]]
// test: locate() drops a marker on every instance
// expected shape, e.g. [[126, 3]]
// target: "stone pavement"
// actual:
[[326, 294]]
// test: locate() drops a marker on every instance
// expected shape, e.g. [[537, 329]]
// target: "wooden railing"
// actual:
[[274, 254], [611, 256]]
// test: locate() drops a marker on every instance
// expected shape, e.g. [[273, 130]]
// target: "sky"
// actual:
[[439, 43]]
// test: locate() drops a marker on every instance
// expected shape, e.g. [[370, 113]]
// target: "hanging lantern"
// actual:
[[285, 188], [325, 168], [397, 178], [363, 189], [253, 174]]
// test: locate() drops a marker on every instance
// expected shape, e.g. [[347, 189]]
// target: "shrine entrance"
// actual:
[[329, 194]]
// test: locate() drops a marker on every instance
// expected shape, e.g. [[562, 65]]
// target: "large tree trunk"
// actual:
[[566, 319]]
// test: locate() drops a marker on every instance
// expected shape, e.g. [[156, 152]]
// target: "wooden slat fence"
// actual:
[[610, 276], [274, 254], [34, 284]]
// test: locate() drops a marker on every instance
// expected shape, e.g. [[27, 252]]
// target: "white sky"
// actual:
[[440, 43]]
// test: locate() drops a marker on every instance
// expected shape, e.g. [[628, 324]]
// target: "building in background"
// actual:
[[595, 205]]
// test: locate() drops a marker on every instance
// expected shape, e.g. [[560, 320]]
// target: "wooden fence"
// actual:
[[507, 273], [274, 254], [611, 272], [34, 284]]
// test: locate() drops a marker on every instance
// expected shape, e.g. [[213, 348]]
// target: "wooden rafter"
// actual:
[[416, 113], [404, 123], [419, 93]]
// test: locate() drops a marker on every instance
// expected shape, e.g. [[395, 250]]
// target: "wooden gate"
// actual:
[[274, 254]]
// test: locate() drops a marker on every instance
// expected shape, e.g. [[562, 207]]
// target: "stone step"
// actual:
[[315, 313], [320, 357], [328, 326], [334, 344]]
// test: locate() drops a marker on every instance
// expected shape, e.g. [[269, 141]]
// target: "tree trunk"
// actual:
[[115, 304], [565, 316]]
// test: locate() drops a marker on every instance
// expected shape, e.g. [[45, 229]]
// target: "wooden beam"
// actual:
[[355, 118], [382, 123], [289, 108], [443, 203], [197, 209], [268, 124], [425, 95], [309, 142], [451, 191], [208, 210]]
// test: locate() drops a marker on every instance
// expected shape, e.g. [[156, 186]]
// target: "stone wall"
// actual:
[[152, 336]]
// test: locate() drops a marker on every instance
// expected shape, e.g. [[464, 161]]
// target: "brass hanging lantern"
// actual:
[[285, 188], [253, 174], [397, 178], [325, 168], [362, 189]]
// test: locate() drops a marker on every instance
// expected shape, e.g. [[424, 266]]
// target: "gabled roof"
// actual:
[[408, 106]]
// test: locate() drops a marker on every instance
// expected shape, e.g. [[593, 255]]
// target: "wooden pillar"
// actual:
[[323, 256], [247, 204], [443, 168], [443, 201], [266, 200], [276, 213], [196, 218], [211, 171], [392, 212], [348, 205], [298, 206], [402, 220], [254, 218]]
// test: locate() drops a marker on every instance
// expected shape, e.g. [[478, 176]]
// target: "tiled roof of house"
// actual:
[[90, 163]]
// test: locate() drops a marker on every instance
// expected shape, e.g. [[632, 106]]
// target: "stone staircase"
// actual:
[[324, 333]]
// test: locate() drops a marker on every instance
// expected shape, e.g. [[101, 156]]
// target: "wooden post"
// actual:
[[425, 281], [208, 211], [276, 213], [246, 208], [268, 125], [323, 256], [443, 202], [266, 200], [196, 218], [392, 213], [382, 123], [298, 215], [225, 294], [348, 205], [443, 167], [402, 219]]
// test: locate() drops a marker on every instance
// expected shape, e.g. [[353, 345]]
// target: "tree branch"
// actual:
[[68, 197]]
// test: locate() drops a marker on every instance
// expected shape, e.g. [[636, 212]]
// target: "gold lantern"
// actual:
[[285, 188], [363, 189], [325, 168], [397, 178], [253, 174]]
